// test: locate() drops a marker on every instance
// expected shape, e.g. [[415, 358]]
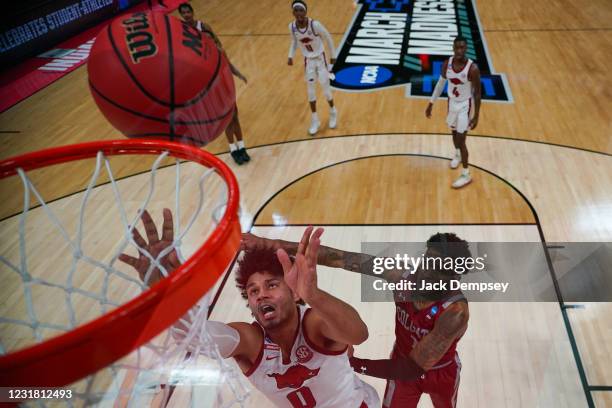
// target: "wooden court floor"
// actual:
[[542, 169]]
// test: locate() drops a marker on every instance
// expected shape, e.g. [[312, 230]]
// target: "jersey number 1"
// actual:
[[302, 398]]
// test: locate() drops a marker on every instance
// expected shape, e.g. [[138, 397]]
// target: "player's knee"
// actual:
[[326, 90], [312, 92]]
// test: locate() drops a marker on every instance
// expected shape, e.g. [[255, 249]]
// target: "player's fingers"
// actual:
[[284, 260], [313, 251], [304, 241], [150, 227], [127, 259], [140, 241], [168, 226], [315, 236]]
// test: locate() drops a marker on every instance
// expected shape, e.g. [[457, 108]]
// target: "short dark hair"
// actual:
[[459, 38], [185, 5], [303, 3], [449, 245], [253, 261]]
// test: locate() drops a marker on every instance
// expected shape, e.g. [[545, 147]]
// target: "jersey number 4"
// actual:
[[302, 398], [455, 92]]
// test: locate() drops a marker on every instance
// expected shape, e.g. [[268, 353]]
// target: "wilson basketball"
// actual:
[[153, 76]]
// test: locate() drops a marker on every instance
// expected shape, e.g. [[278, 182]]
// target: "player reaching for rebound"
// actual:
[[233, 132], [309, 34], [428, 323], [463, 76], [295, 355]]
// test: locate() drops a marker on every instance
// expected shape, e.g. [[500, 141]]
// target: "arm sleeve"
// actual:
[[293, 45], [322, 31], [404, 369], [438, 89]]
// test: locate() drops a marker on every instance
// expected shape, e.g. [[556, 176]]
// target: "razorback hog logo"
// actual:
[[456, 81], [139, 40], [294, 377]]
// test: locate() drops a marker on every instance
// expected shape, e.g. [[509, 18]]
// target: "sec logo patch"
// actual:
[[304, 354]]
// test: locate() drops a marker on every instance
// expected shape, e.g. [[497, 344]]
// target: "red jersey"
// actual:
[[411, 325]]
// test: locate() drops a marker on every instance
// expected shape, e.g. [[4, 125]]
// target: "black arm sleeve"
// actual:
[[404, 369]]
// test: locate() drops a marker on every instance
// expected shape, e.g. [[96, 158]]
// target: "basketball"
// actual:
[[153, 76]]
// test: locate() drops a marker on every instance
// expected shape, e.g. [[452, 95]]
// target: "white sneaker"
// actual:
[[333, 119], [455, 162], [463, 180], [314, 126]]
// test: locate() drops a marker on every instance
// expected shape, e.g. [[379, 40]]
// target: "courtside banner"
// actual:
[[32, 27], [404, 43]]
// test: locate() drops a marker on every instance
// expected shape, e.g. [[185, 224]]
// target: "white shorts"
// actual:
[[371, 398], [316, 67], [459, 115]]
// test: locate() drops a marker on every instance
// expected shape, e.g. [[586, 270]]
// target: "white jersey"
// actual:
[[459, 86], [309, 39], [313, 376]]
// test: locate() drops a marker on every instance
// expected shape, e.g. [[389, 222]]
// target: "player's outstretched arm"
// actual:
[[474, 75], [331, 257], [451, 325], [331, 318], [292, 46], [437, 90]]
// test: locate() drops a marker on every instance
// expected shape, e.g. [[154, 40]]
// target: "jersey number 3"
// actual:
[[302, 398]]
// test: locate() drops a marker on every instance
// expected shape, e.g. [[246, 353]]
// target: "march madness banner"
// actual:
[[394, 43]]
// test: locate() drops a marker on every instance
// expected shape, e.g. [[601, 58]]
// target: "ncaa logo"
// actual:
[[304, 354], [363, 75]]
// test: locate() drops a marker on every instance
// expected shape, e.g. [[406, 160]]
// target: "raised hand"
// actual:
[[154, 246], [301, 275]]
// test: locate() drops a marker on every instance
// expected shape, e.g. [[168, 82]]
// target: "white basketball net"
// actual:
[[62, 270]]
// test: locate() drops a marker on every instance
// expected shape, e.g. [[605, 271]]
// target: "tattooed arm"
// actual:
[[332, 257], [450, 326]]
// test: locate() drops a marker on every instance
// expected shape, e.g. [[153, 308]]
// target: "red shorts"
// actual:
[[442, 385]]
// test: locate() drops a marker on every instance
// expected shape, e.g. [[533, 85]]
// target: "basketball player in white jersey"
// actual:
[[463, 76], [233, 132], [309, 35], [294, 354], [428, 323]]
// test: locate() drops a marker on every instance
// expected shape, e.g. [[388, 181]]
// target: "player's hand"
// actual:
[[301, 275], [290, 61], [253, 242], [154, 247], [243, 78], [474, 122], [428, 110], [332, 61]]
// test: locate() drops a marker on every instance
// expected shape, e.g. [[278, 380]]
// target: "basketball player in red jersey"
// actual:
[[295, 355], [233, 130], [428, 324], [463, 76], [309, 34]]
